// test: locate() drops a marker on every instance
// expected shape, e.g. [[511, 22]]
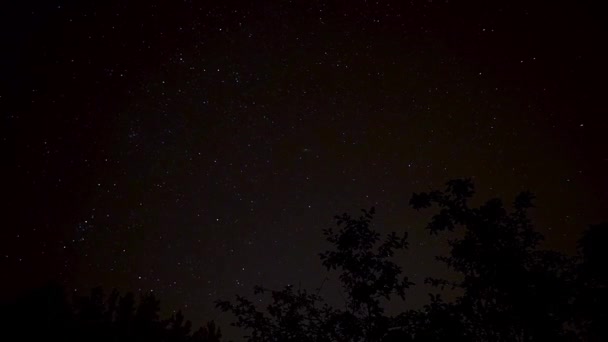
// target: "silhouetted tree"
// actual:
[[367, 272], [508, 289], [512, 291], [292, 316], [367, 275], [46, 314], [177, 329], [91, 316], [37, 314], [208, 333], [592, 284]]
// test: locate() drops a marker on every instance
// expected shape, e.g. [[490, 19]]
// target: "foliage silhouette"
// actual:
[[512, 291], [47, 314], [508, 289], [367, 276], [592, 284]]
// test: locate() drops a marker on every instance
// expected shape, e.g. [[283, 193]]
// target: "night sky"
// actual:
[[199, 148]]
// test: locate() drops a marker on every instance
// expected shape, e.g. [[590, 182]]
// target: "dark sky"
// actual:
[[198, 148]]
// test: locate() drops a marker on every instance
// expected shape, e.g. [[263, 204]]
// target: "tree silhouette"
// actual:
[[592, 284], [367, 272], [208, 333], [508, 289], [367, 276], [42, 312], [511, 290], [47, 314]]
